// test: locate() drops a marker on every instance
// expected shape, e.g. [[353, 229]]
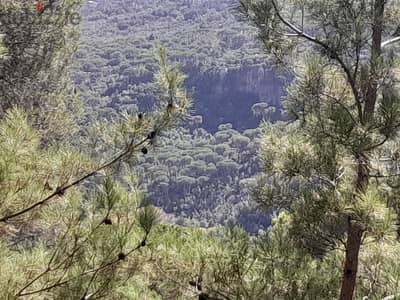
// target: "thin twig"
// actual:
[[60, 191], [333, 54]]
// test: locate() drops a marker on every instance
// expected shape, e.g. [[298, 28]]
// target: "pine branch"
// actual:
[[70, 256], [61, 190], [334, 55], [95, 270]]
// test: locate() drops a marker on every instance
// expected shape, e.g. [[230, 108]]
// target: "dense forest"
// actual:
[[198, 149], [226, 70], [203, 179], [228, 75]]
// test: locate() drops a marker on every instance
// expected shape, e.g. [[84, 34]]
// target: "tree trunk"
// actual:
[[376, 51], [354, 231], [354, 235], [353, 244]]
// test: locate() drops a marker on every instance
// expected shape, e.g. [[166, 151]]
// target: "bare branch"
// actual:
[[390, 41]]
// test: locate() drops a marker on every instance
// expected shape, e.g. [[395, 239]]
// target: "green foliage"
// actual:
[[331, 173], [232, 265], [66, 244], [34, 74], [329, 167], [66, 249]]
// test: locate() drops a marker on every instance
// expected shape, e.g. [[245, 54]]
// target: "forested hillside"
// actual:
[[227, 74], [226, 70], [206, 178]]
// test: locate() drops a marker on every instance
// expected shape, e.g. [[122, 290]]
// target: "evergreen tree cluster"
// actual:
[[115, 60], [205, 179]]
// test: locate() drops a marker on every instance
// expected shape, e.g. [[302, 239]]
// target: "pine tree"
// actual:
[[335, 164], [68, 230], [34, 74]]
